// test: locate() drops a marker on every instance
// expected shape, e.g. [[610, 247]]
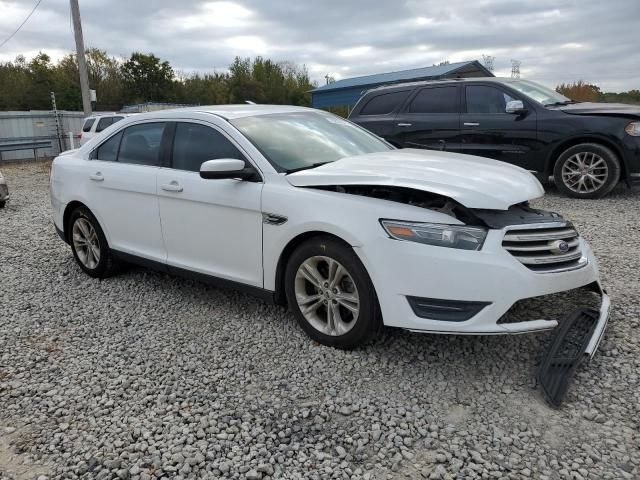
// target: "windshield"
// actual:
[[540, 94], [299, 140]]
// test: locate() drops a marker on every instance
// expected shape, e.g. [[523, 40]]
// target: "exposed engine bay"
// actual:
[[518, 214]]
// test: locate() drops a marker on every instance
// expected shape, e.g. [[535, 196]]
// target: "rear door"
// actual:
[[121, 183], [431, 119], [378, 113], [488, 131]]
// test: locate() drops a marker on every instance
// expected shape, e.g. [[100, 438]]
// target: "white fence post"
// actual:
[[71, 144]]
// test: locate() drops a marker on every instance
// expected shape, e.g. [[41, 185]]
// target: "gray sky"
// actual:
[[556, 40]]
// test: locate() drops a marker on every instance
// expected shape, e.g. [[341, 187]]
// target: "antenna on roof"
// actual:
[[249, 102]]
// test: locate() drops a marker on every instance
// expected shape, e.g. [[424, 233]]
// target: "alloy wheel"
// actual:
[[327, 295], [585, 172], [85, 242]]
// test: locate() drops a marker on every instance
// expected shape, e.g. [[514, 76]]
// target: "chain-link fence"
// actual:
[[39, 125]]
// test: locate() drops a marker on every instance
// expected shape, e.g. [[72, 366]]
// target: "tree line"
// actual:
[[581, 91], [26, 85]]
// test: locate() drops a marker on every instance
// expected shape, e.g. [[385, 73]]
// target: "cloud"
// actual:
[[556, 40]]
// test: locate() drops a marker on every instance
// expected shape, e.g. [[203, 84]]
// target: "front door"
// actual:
[[121, 179], [213, 227], [431, 120], [488, 131]]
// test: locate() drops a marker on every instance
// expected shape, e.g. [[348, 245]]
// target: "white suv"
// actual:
[[97, 123], [301, 206]]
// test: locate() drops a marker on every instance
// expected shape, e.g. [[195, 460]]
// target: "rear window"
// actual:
[[103, 123], [385, 103], [435, 100], [88, 123]]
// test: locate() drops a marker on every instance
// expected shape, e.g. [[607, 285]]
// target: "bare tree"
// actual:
[[487, 61]]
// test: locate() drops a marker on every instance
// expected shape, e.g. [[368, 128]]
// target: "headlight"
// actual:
[[633, 129], [437, 234]]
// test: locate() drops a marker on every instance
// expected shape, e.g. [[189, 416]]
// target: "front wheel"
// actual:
[[89, 244], [331, 294], [587, 170]]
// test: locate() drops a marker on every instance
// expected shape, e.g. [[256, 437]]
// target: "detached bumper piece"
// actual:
[[565, 353]]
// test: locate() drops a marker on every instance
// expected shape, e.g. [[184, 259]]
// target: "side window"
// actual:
[[88, 123], [435, 100], [116, 119], [141, 144], [485, 99], [103, 123], [108, 151], [194, 144], [385, 103]]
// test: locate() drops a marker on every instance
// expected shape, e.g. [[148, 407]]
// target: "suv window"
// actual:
[[385, 103], [108, 151], [435, 100], [486, 99], [141, 144], [88, 123], [194, 144], [103, 123]]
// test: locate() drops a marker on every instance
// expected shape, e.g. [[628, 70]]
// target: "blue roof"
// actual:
[[403, 75]]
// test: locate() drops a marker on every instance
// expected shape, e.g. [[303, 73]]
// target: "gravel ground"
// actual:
[[145, 376]]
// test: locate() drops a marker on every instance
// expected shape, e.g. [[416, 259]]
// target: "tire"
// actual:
[[308, 285], [80, 227], [597, 171]]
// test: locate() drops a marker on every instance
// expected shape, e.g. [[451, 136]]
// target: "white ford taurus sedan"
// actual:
[[302, 207]]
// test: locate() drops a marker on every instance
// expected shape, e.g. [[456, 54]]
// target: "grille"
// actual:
[[549, 249], [554, 306]]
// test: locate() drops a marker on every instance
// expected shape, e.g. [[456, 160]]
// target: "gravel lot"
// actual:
[[146, 376]]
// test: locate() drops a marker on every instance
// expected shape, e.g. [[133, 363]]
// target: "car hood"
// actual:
[[475, 182], [588, 108]]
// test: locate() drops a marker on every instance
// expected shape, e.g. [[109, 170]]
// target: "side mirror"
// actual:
[[226, 168], [515, 106]]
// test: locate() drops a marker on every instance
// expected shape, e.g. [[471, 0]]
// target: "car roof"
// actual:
[[443, 81], [227, 112]]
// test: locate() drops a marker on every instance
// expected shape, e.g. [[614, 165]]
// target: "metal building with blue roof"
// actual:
[[346, 92]]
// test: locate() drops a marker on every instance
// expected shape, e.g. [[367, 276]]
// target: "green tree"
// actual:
[[147, 79]]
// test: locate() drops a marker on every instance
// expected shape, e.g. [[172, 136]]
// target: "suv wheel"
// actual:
[[587, 170], [89, 245], [331, 294]]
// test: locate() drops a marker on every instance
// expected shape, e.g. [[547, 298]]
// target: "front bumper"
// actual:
[[401, 269]]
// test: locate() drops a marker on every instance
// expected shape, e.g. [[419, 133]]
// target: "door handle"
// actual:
[[471, 124], [404, 124], [171, 187], [97, 177]]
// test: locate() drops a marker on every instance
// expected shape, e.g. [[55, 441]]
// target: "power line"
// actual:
[[21, 25]]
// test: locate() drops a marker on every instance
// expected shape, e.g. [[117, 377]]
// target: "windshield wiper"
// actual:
[[307, 167], [558, 104]]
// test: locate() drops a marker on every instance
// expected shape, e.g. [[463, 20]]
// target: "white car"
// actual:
[[302, 207], [96, 123]]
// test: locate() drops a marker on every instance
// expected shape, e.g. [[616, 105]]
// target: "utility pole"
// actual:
[[82, 62]]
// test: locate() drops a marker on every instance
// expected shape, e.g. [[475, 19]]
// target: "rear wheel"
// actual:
[[89, 245], [587, 170], [331, 294]]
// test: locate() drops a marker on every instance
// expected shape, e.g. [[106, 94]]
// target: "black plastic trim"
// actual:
[[258, 292], [445, 310], [565, 354]]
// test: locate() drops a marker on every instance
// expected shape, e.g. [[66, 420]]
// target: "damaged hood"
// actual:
[[475, 182], [589, 108]]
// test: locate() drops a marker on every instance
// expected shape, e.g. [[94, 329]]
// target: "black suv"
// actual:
[[587, 147]]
